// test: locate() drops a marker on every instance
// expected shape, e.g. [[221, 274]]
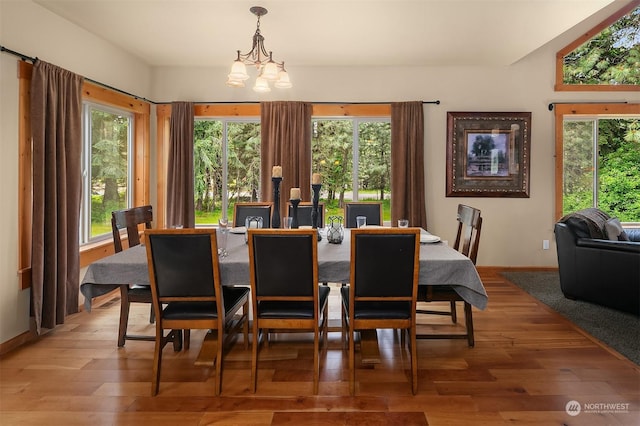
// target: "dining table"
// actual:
[[440, 264]]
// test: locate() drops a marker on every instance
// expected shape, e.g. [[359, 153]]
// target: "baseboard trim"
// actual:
[[496, 269]]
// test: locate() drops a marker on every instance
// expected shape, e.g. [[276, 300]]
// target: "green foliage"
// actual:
[[611, 57], [618, 167]]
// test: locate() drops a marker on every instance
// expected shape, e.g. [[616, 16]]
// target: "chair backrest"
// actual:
[[371, 209], [304, 213], [283, 264], [243, 210], [468, 235], [385, 263], [130, 219], [183, 265]]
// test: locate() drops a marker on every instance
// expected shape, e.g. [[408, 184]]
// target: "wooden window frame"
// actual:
[[141, 165], [560, 86], [562, 110]]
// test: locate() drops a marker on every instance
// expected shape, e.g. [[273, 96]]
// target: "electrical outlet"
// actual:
[[545, 244]]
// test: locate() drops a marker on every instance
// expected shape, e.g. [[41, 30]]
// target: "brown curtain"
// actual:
[[407, 164], [286, 141], [56, 129], [180, 202]]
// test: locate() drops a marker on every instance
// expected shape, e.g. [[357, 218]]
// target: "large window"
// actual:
[[600, 160], [226, 166], [106, 168], [354, 157]]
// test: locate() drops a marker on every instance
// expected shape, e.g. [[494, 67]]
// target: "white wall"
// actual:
[[513, 229], [33, 31]]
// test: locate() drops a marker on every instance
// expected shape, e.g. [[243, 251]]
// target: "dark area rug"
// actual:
[[619, 330]]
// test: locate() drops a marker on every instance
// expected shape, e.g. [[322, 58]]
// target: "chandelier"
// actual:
[[268, 69]]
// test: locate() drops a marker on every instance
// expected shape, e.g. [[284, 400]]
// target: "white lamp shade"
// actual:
[[283, 81], [270, 71], [235, 83], [262, 85], [238, 71]]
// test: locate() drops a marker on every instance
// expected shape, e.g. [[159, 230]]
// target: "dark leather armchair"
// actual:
[[595, 269]]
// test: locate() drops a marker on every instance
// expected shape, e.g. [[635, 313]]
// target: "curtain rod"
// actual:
[[436, 102], [115, 89], [29, 58], [585, 102]]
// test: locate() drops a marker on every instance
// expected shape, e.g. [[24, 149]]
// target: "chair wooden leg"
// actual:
[[124, 314], [352, 362], [316, 361], [414, 360], [245, 325], [454, 312], [468, 317], [157, 363], [218, 379], [254, 355]]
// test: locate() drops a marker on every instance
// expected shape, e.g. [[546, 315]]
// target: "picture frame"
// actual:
[[488, 154]]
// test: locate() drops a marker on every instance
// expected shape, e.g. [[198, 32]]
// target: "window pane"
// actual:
[[374, 163], [619, 168], [332, 156], [578, 170], [207, 166], [244, 162], [110, 135]]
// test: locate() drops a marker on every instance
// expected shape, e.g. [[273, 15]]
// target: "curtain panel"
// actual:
[[407, 163], [180, 197], [56, 130], [286, 142]]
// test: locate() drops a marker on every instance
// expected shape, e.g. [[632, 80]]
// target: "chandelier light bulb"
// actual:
[[283, 80]]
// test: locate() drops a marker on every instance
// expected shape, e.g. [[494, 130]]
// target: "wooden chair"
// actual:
[[185, 279], [131, 220], [467, 242], [371, 209], [304, 213], [385, 265], [283, 267], [243, 210]]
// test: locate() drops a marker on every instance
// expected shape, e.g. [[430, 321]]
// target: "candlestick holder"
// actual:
[[275, 215], [294, 213], [314, 211]]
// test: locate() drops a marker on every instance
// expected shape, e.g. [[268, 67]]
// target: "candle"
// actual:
[[295, 194], [276, 171], [316, 178]]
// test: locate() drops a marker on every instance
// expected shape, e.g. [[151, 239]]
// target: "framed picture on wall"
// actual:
[[488, 154]]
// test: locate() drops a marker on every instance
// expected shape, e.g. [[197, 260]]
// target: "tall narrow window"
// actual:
[[354, 157], [106, 168], [226, 166]]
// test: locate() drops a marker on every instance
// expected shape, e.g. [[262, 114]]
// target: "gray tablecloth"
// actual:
[[439, 264]]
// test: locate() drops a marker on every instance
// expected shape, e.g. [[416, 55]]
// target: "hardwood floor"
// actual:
[[527, 365]]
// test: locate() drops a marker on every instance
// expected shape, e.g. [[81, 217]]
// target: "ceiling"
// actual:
[[340, 33]]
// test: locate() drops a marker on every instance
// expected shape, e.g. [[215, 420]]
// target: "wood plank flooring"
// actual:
[[527, 365]]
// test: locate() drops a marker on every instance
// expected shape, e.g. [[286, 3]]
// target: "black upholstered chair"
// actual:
[[371, 209], [385, 265], [185, 278], [467, 242], [132, 220], [285, 293], [243, 210], [304, 213]]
